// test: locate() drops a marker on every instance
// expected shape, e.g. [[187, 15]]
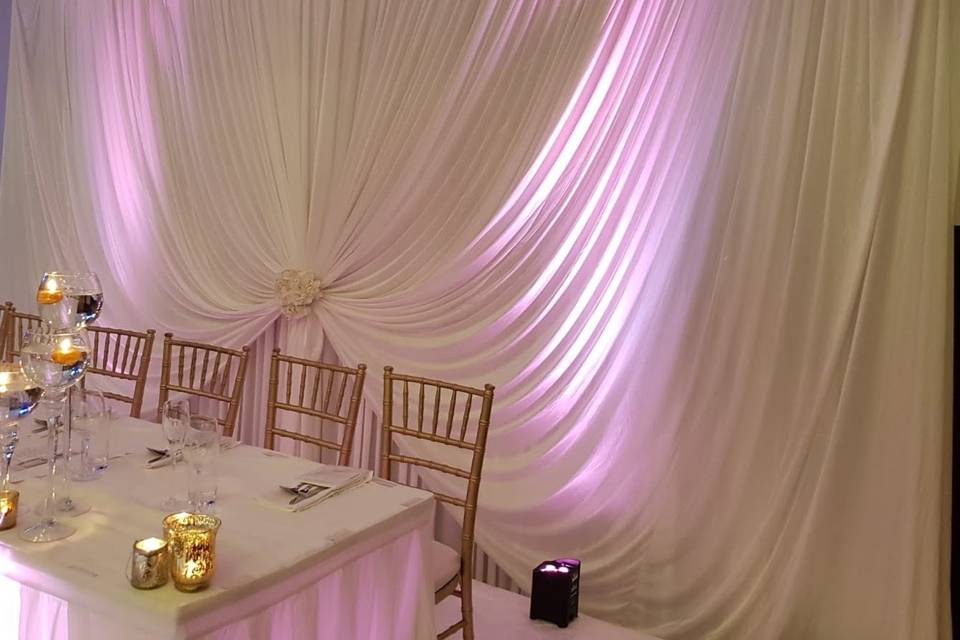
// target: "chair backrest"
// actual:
[[121, 354], [204, 371], [6, 317], [17, 326], [316, 389], [449, 422]]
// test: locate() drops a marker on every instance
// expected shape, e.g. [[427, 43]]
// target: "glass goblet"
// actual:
[[54, 360]]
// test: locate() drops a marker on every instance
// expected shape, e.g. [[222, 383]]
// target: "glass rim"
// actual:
[[47, 329], [187, 520], [72, 274]]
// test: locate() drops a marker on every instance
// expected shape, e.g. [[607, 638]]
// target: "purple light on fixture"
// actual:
[[555, 591]]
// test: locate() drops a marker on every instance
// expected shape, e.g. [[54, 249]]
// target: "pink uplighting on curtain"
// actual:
[[634, 218]]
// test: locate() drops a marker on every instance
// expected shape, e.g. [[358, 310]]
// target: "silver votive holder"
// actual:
[[150, 565], [9, 501]]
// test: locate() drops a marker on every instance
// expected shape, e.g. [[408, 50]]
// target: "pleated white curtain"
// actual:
[[700, 248]]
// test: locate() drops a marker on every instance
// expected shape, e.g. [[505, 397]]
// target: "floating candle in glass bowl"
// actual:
[[69, 300], [49, 292], [66, 353]]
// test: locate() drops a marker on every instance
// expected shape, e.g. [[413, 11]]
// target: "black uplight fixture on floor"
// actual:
[[555, 591]]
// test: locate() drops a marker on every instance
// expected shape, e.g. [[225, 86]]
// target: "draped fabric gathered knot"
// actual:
[[297, 290]]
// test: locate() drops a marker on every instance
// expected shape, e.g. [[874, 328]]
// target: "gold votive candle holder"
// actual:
[[9, 501], [150, 564], [192, 542]]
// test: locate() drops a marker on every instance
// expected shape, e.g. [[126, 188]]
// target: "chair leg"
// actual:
[[466, 610]]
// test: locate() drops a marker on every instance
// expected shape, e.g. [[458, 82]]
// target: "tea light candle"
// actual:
[[150, 565], [50, 293], [8, 509], [192, 539], [66, 353]]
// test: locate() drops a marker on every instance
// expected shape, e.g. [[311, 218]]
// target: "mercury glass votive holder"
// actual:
[[192, 541], [150, 564], [9, 501]]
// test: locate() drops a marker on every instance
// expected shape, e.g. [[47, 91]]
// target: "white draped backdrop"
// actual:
[[701, 248]]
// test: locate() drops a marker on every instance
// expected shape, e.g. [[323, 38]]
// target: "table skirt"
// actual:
[[380, 594]]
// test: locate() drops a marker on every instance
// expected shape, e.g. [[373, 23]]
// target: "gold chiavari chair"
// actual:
[[17, 326], [314, 389], [204, 371], [449, 424], [5, 318], [122, 354]]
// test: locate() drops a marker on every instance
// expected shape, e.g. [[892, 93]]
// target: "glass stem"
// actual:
[[65, 491], [176, 476], [56, 470], [7, 458], [85, 452]]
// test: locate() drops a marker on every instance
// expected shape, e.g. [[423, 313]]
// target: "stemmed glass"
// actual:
[[201, 450], [89, 414], [65, 302], [175, 417], [18, 398], [54, 360]]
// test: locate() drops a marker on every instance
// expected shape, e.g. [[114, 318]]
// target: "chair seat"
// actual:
[[444, 564]]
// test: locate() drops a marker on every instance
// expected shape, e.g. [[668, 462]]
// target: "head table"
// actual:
[[353, 566]]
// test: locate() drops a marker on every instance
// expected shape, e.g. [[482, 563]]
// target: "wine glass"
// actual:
[[175, 417], [69, 300], [89, 415], [201, 450], [54, 360], [18, 398]]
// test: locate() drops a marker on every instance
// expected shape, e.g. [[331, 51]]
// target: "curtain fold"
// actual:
[[701, 249]]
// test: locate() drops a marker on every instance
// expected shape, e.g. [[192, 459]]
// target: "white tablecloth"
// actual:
[[351, 567]]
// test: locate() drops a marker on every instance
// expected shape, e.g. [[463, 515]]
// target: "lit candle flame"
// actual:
[[149, 545], [67, 354], [51, 285], [193, 569]]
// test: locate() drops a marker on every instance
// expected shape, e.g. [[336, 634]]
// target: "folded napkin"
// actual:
[[318, 485], [161, 457]]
